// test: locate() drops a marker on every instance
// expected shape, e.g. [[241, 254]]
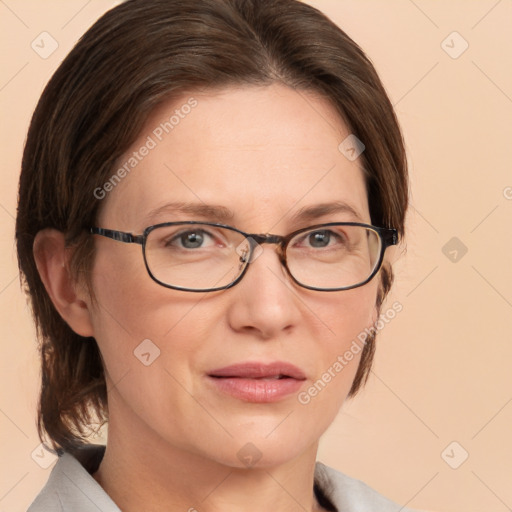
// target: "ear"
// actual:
[[51, 256]]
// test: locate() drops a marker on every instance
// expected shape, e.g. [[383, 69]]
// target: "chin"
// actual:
[[261, 451]]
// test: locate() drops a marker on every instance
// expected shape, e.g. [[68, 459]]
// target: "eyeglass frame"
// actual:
[[387, 236]]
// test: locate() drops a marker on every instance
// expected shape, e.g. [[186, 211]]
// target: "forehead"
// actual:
[[262, 153]]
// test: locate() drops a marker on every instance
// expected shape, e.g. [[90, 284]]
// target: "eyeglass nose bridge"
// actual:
[[256, 240]]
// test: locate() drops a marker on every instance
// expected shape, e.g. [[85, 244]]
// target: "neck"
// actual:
[[156, 476]]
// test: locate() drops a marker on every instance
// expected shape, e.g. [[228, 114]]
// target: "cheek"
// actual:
[[130, 304], [148, 337], [135, 316], [339, 348], [347, 314]]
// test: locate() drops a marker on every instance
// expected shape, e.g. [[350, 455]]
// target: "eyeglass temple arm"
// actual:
[[120, 236], [390, 237]]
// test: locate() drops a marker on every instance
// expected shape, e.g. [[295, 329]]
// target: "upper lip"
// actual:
[[256, 370]]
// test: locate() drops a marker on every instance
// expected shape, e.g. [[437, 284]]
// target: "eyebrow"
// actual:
[[222, 214], [314, 212], [206, 211]]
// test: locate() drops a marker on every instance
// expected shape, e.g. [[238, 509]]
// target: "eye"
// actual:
[[319, 238], [322, 238], [192, 239]]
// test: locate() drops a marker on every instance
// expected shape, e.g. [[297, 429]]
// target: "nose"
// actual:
[[265, 302]]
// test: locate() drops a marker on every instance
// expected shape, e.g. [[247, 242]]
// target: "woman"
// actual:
[[250, 149]]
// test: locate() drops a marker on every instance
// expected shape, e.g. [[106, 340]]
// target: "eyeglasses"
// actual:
[[205, 257]]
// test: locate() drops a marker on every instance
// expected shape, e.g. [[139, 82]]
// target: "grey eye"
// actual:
[[192, 240], [319, 238]]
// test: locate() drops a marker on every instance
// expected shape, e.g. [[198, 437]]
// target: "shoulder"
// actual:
[[351, 495], [70, 488]]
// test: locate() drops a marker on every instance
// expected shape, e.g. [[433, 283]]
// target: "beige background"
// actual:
[[442, 372]]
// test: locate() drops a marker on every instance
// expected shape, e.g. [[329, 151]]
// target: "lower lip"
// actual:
[[257, 390]]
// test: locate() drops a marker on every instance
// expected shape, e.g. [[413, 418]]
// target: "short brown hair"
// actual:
[[136, 56]]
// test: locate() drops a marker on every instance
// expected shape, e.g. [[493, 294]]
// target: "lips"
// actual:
[[258, 382], [260, 371]]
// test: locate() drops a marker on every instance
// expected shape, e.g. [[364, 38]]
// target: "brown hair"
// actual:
[[136, 56]]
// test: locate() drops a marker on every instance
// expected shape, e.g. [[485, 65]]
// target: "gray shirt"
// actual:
[[71, 488]]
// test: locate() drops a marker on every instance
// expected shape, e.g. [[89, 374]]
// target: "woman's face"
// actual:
[[265, 154]]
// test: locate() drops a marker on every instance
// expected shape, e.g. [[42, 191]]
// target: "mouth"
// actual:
[[258, 382]]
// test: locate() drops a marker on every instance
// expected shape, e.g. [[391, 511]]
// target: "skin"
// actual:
[[264, 153]]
